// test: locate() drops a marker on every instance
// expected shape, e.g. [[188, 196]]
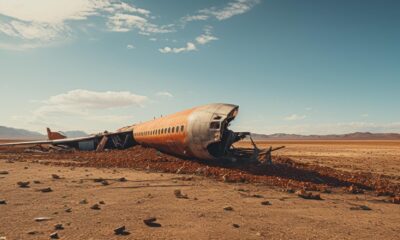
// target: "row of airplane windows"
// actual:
[[161, 131]]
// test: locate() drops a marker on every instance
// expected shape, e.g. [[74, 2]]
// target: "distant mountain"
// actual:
[[75, 134], [349, 136], [14, 133]]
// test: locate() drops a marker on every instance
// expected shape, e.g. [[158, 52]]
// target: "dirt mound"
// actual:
[[285, 173]]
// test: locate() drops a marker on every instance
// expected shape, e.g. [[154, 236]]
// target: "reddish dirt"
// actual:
[[285, 173]]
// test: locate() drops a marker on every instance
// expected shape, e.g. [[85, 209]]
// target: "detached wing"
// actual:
[[71, 141], [53, 142]]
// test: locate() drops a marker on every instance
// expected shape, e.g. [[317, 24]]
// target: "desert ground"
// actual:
[[92, 194]]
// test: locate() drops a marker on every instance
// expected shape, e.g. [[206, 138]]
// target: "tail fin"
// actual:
[[54, 135]]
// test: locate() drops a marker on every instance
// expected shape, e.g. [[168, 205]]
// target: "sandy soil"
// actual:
[[147, 193], [382, 157]]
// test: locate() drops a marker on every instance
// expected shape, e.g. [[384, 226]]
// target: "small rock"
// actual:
[[98, 179], [105, 183], [55, 176], [68, 210], [361, 207], [25, 167], [23, 184], [83, 201], [228, 208], [122, 179], [3, 172], [33, 232], [36, 182], [54, 235], [95, 207], [42, 219], [257, 196], [121, 231], [151, 222], [308, 195], [266, 203], [179, 194], [396, 200], [235, 225], [2, 201], [59, 226], [46, 190], [102, 202]]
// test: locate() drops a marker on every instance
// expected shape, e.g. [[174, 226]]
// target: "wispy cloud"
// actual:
[[233, 8], [165, 94], [294, 117], [189, 47], [206, 36], [130, 46]]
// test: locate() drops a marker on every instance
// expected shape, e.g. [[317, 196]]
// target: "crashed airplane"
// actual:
[[201, 132]]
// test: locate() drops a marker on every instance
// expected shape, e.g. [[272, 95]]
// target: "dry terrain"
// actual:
[[202, 200]]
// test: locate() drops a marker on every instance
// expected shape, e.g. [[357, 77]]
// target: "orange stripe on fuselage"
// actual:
[[172, 141]]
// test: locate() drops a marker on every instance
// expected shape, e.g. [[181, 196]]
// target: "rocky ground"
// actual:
[[90, 195]]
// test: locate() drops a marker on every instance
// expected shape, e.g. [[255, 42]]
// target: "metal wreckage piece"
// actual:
[[200, 132]]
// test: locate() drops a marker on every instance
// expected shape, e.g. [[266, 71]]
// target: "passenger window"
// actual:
[[169, 130], [173, 129], [214, 125], [165, 130], [182, 128], [177, 128]]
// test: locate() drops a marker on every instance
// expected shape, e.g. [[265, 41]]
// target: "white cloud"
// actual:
[[235, 7], [121, 22], [165, 94], [130, 46], [79, 108], [294, 117], [189, 47], [195, 18], [36, 23], [207, 36]]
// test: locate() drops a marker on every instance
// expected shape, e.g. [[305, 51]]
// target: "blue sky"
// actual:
[[309, 67]]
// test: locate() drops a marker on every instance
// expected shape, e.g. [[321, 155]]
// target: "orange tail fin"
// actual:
[[54, 135]]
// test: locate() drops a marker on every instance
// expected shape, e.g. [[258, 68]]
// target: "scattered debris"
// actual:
[[228, 208], [46, 190], [361, 207], [308, 195], [178, 193], [54, 235], [396, 200], [2, 201], [42, 219], [95, 207], [68, 210], [151, 222], [23, 184], [83, 201], [59, 226], [4, 172], [121, 231], [354, 190], [266, 203], [123, 179]]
